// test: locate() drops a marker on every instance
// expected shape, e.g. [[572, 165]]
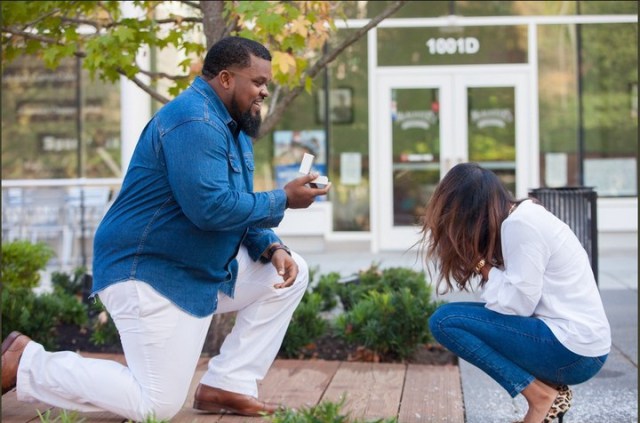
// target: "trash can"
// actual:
[[577, 207]]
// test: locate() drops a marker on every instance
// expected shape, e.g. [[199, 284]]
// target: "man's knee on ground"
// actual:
[[161, 409]]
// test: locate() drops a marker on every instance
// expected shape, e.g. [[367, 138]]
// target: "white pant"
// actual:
[[162, 345]]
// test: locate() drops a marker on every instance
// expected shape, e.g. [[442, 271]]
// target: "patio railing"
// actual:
[[63, 213]]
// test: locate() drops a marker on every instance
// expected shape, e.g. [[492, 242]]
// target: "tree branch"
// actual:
[[31, 36], [80, 21], [41, 18], [158, 75], [277, 110], [182, 19], [331, 55], [192, 4], [145, 87], [41, 38]]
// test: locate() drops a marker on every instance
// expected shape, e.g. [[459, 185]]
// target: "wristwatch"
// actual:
[[272, 250]]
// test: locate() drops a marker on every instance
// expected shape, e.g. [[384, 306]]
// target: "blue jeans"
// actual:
[[513, 350]]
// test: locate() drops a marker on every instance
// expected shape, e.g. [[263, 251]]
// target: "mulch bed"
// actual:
[[328, 347], [75, 338]]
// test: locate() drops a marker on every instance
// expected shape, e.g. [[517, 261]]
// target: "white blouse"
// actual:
[[547, 275]]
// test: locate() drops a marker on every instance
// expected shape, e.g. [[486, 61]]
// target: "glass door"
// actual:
[[426, 123], [495, 131]]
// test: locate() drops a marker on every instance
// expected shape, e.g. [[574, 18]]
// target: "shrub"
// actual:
[[72, 417], [21, 263], [70, 284], [327, 288], [39, 315], [391, 324], [325, 412], [387, 312], [104, 331], [374, 279], [64, 417], [306, 326], [23, 310]]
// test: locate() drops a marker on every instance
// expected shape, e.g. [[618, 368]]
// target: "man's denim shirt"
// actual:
[[186, 205]]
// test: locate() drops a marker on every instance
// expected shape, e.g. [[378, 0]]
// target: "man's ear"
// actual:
[[225, 78]]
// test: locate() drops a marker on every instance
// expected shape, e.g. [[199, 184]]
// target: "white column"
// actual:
[[135, 104]]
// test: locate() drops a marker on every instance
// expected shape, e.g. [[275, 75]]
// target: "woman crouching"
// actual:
[[541, 325]]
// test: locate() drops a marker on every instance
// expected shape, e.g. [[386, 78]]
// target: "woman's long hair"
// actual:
[[462, 224]]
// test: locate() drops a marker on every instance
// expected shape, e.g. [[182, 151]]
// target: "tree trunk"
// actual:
[[215, 28], [221, 325], [214, 25]]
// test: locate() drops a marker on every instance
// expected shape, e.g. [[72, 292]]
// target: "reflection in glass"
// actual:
[[608, 92], [39, 122], [492, 131], [416, 151]]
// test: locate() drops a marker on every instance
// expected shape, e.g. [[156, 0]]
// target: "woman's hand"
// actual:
[[482, 268], [485, 271]]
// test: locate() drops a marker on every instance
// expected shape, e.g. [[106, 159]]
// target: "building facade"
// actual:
[[543, 93]]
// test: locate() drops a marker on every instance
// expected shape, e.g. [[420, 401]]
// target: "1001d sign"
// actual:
[[464, 45]]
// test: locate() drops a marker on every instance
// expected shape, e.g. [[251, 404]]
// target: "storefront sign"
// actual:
[[350, 168], [498, 118], [469, 45], [463, 45]]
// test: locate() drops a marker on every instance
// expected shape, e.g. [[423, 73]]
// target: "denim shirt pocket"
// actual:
[[248, 162], [234, 163]]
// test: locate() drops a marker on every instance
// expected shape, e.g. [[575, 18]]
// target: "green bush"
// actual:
[[70, 284], [327, 288], [21, 263], [306, 326], [385, 311], [39, 315], [374, 279], [64, 417], [392, 324], [325, 412], [35, 315], [72, 417], [104, 331]]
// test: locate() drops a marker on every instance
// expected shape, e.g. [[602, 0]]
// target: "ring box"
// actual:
[[305, 167]]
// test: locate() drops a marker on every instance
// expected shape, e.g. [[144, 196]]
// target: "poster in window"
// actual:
[[288, 149]]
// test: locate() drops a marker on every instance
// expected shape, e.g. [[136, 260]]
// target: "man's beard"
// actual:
[[246, 121]]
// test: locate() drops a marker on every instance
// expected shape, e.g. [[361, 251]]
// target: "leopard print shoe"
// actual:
[[560, 406]]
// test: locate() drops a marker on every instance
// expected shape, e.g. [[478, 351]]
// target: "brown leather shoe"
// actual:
[[218, 401], [12, 348]]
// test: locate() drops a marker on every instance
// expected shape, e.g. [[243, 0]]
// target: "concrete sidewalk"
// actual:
[[612, 396]]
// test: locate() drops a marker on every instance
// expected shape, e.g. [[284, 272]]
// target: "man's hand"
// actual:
[[300, 195], [286, 267]]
